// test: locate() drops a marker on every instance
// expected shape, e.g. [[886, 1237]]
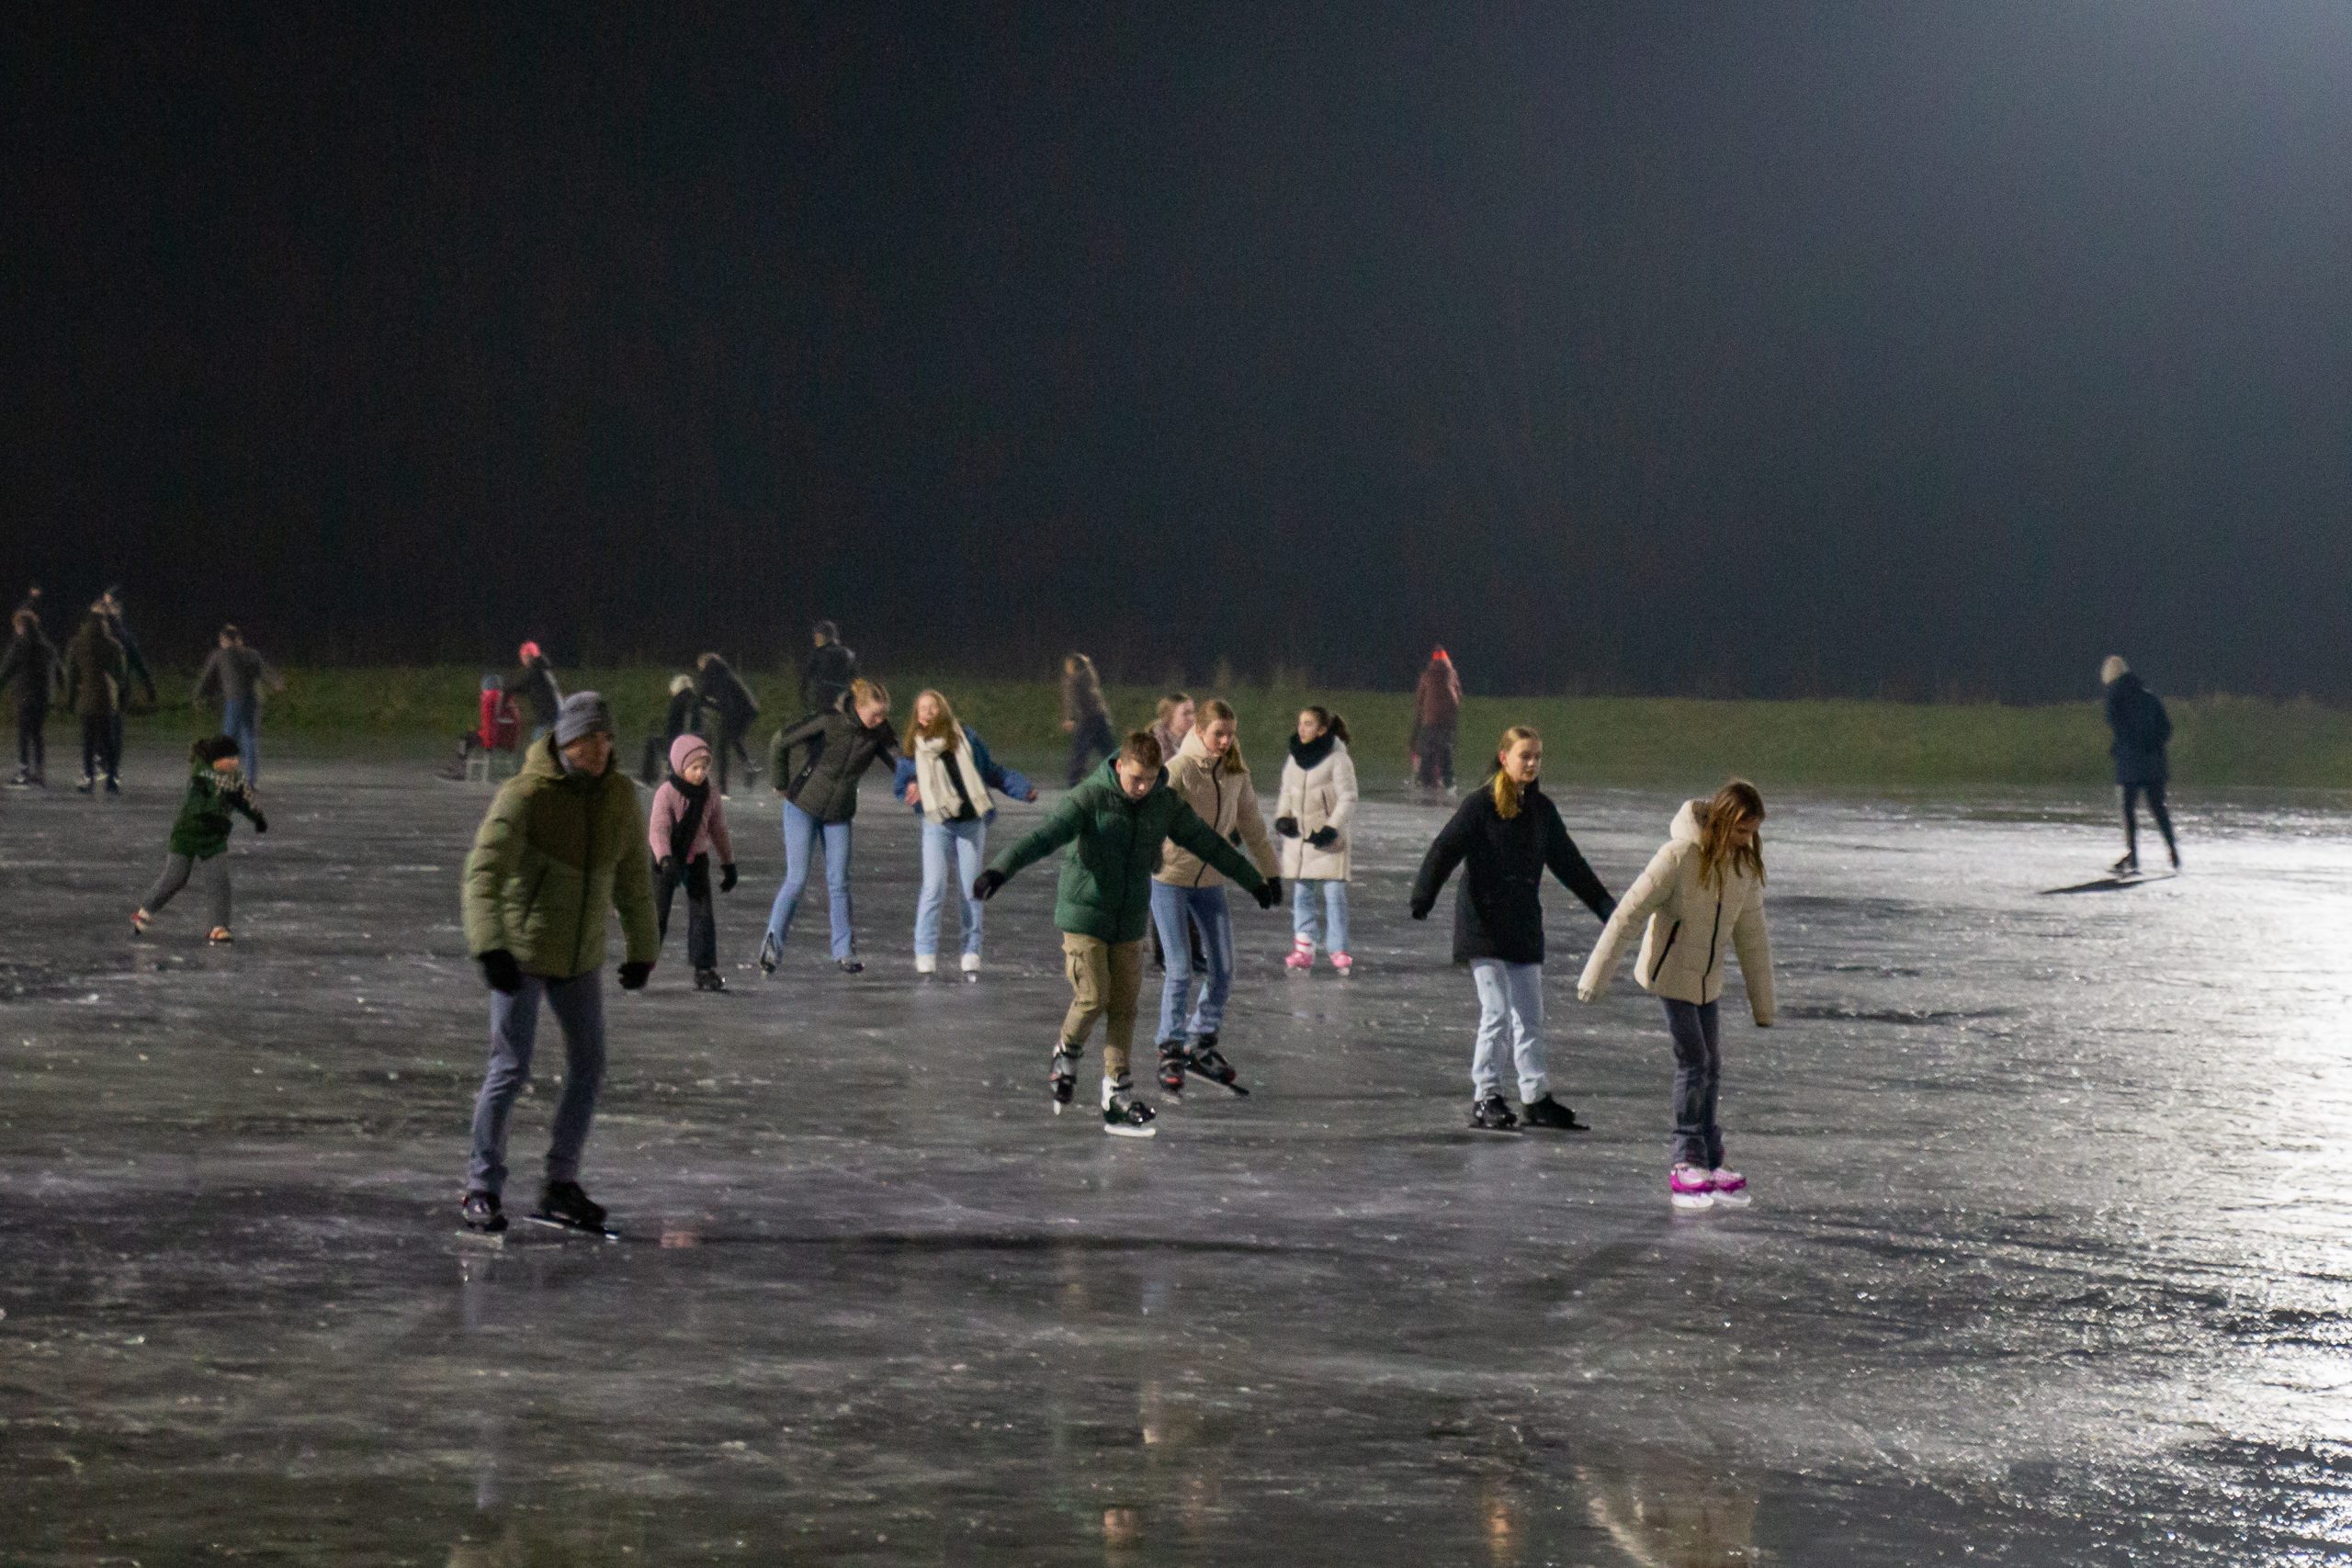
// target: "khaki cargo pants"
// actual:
[[1105, 979]]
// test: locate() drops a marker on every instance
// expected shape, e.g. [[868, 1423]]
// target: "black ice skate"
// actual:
[[771, 951], [1492, 1115], [1206, 1059], [564, 1207], [709, 980], [482, 1213], [1125, 1116], [1062, 1078], [1171, 1066], [1549, 1112]]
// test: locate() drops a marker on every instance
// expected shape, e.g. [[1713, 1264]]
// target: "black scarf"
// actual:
[[1309, 754], [689, 823]]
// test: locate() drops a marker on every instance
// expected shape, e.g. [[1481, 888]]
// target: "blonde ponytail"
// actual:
[[1505, 787]]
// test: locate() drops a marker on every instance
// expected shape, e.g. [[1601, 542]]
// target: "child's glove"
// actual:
[[1270, 893], [727, 877], [500, 971], [668, 865], [1421, 908], [1286, 825], [261, 823], [984, 886], [1323, 837], [634, 976]]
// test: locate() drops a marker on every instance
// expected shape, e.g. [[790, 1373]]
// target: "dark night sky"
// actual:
[[1739, 348]]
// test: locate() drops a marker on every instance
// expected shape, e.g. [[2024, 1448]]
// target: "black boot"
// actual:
[[564, 1203], [709, 980], [1209, 1062], [1492, 1115], [1171, 1066], [1549, 1112], [1062, 1078], [482, 1212]]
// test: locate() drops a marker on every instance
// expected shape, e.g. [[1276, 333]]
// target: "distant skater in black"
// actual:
[[533, 685], [31, 672], [1086, 716], [825, 679], [721, 693], [2143, 729]]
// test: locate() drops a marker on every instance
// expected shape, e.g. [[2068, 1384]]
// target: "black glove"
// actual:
[[1323, 837], [984, 886], [261, 824], [1270, 893], [634, 976], [1421, 910], [1286, 825], [500, 971], [727, 877], [668, 865]]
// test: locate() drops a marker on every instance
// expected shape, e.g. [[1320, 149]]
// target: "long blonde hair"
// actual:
[[1506, 787], [1217, 707], [1727, 809], [944, 727]]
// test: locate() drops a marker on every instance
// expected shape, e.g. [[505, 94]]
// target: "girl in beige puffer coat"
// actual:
[[1702, 891], [1311, 815]]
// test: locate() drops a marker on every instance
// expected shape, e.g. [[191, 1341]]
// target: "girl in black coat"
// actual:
[[1505, 835]]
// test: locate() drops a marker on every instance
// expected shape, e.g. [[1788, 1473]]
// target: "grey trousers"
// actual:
[[176, 870], [579, 1005]]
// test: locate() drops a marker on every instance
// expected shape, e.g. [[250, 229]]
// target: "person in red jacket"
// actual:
[[1437, 709]]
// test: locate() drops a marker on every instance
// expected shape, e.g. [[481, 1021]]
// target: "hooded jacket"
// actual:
[[1105, 889], [2142, 730], [1690, 924], [816, 761], [1498, 913], [31, 666], [719, 689], [675, 800], [1437, 700], [1228, 802], [201, 830], [1082, 696], [95, 670], [236, 675], [1318, 791], [554, 852], [535, 683], [824, 680]]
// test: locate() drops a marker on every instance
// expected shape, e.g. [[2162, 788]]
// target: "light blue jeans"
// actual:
[[969, 843], [1205, 908], [800, 833], [1509, 995], [241, 722], [1331, 923]]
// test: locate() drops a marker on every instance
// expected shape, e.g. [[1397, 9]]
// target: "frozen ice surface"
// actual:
[[2050, 1261]]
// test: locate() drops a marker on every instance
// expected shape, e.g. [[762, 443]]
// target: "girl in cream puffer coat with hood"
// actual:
[[1311, 815], [1702, 898]]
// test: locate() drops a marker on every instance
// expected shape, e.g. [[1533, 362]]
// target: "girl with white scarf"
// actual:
[[945, 773]]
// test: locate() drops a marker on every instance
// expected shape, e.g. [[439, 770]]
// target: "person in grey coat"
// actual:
[[2142, 730], [236, 676]]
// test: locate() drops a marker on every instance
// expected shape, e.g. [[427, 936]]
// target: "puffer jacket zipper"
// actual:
[[587, 861], [1714, 939], [1216, 821]]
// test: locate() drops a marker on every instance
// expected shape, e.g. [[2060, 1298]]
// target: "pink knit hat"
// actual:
[[685, 750]]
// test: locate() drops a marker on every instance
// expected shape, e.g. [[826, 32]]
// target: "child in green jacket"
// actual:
[[216, 787], [1115, 821]]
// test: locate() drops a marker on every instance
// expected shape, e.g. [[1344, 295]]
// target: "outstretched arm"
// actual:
[[1452, 841], [1754, 945], [1061, 826], [1567, 863], [1191, 833], [1644, 898]]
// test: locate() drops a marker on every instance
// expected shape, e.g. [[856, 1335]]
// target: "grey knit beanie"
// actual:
[[583, 713]]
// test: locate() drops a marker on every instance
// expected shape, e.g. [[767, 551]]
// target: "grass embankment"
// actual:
[[2218, 741]]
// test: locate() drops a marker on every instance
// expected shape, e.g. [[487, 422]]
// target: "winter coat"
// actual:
[[133, 661], [1318, 791], [1082, 697], [684, 715], [834, 750], [2143, 729], [1499, 912], [676, 799], [95, 670], [1689, 922], [1436, 701], [1105, 890], [825, 679], [201, 830], [555, 851], [721, 690], [535, 683], [1228, 802], [236, 675], [31, 666], [983, 769]]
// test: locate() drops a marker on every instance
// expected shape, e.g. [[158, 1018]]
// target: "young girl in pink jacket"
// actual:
[[688, 821]]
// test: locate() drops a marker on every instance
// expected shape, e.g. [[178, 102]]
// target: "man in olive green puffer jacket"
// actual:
[[1115, 821], [563, 842]]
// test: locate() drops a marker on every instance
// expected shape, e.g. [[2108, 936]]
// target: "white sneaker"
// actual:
[[925, 963], [971, 964]]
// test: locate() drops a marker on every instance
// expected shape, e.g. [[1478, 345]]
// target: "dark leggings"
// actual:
[[2155, 793], [100, 755], [1090, 739], [702, 922], [32, 750], [1698, 1080], [730, 742]]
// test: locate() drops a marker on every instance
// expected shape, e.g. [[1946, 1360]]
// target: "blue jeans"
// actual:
[[799, 843], [579, 1005], [1510, 996], [968, 841], [1332, 924], [241, 722], [1205, 908]]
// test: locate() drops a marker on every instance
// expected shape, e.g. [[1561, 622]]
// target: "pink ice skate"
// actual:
[[1343, 964], [1690, 1187], [1302, 955], [1731, 1188]]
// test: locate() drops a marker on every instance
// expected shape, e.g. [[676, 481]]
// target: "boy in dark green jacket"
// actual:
[[1115, 821], [200, 833]]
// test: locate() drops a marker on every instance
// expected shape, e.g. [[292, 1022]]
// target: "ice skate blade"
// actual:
[[548, 1221], [1692, 1203]]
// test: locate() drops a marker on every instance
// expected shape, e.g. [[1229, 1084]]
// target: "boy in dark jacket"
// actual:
[[1508, 834], [216, 787], [721, 692], [1115, 821], [31, 669], [824, 680], [2142, 730], [95, 672]]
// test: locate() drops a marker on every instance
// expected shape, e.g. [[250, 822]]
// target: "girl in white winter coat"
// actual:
[[1312, 814], [1703, 895]]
